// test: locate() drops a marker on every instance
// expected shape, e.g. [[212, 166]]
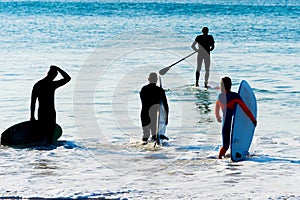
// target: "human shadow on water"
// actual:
[[268, 159], [196, 148], [60, 143]]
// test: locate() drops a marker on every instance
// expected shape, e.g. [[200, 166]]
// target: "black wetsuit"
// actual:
[[152, 95], [206, 41], [44, 90], [228, 102]]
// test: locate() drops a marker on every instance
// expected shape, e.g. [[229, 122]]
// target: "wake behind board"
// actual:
[[161, 124], [242, 126], [27, 134]]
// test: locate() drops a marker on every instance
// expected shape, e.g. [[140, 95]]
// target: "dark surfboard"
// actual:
[[27, 133]]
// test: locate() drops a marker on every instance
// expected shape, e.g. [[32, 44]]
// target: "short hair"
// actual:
[[227, 83], [152, 77], [205, 30], [52, 73]]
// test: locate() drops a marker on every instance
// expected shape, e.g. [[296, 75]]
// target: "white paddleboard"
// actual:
[[242, 126], [210, 86], [161, 124], [161, 134]]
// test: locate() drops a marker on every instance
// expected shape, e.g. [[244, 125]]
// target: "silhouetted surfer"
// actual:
[[227, 102], [206, 44], [151, 96], [44, 91]]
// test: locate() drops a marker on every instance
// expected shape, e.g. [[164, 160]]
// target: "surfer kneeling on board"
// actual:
[[151, 95], [227, 102], [44, 91]]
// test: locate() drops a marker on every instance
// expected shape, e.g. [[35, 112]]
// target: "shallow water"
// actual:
[[109, 49]]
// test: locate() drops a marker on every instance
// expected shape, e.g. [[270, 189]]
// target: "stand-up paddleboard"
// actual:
[[242, 126], [211, 86], [161, 122], [27, 133]]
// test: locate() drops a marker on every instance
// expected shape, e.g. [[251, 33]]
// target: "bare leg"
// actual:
[[222, 152], [146, 133]]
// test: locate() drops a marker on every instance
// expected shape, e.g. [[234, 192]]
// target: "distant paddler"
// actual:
[[206, 44]]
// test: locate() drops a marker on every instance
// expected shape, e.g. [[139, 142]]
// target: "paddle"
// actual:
[[166, 69]]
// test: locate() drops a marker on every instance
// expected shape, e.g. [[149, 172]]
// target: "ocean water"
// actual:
[[109, 48]]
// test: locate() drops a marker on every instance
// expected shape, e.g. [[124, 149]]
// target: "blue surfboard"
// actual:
[[242, 126]]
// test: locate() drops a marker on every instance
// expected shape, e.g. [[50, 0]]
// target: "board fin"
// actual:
[[238, 155]]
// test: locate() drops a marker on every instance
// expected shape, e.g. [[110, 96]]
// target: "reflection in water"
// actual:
[[204, 100], [43, 164], [203, 103], [44, 168]]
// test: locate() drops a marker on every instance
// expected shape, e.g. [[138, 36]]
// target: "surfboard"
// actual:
[[242, 126], [161, 125], [161, 122], [27, 134]]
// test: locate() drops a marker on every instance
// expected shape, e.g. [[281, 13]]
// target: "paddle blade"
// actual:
[[164, 70]]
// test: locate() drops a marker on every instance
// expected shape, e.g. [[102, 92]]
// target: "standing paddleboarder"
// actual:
[[206, 44], [44, 91]]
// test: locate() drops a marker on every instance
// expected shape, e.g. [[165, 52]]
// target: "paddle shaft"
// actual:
[[183, 59], [166, 69]]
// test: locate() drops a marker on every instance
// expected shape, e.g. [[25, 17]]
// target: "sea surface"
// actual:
[[109, 48]]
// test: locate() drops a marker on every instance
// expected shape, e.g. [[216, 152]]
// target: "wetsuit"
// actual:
[[227, 101], [151, 96], [205, 43], [44, 91]]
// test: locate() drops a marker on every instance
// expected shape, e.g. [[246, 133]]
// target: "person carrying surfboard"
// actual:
[[44, 91], [151, 95], [227, 101], [206, 44]]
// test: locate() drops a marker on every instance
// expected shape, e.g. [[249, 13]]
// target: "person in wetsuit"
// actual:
[[206, 44], [227, 102], [151, 96], [44, 91]]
